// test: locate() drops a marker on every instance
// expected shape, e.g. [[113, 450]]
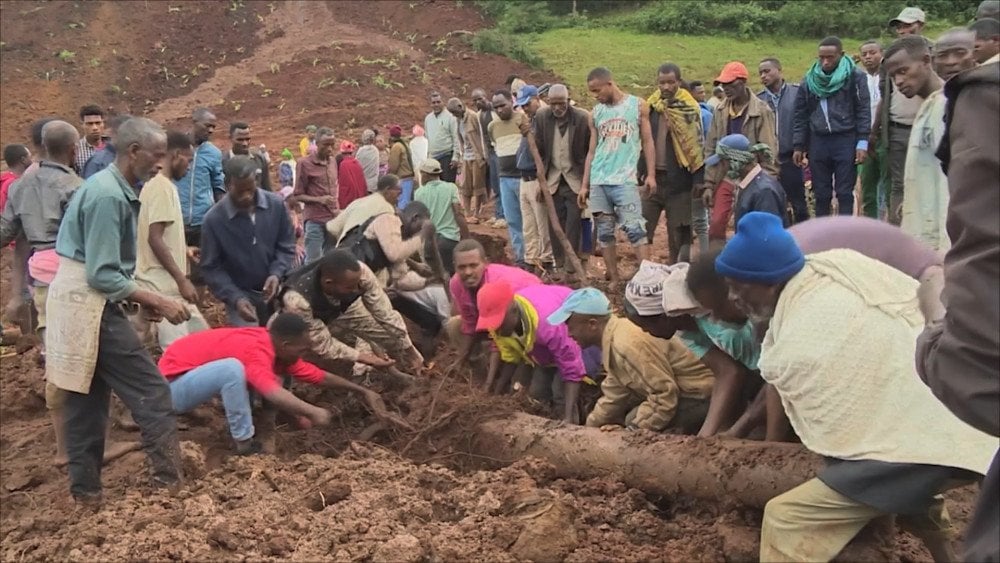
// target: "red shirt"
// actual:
[[352, 181], [251, 346], [6, 179]]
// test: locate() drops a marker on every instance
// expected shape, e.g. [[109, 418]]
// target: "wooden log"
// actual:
[[750, 473]]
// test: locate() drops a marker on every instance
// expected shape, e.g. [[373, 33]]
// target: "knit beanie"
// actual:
[[762, 251]]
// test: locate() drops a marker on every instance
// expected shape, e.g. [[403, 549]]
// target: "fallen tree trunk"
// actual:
[[750, 473]]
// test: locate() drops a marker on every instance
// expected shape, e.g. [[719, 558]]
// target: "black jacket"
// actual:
[[849, 111], [579, 136]]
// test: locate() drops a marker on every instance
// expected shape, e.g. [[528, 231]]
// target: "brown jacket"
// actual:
[[959, 356], [758, 127], [472, 128]]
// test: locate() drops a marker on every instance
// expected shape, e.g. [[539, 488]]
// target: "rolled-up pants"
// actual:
[[123, 365]]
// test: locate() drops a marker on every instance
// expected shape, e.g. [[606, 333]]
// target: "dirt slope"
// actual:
[[278, 65]]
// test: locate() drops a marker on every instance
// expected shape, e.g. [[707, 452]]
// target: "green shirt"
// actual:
[[99, 229], [737, 342], [440, 197]]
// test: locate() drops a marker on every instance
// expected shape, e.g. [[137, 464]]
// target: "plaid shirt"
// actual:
[[84, 151]]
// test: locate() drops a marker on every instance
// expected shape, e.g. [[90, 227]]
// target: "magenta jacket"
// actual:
[[553, 344], [466, 302]]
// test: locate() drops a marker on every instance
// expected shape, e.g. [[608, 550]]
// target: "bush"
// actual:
[[500, 43]]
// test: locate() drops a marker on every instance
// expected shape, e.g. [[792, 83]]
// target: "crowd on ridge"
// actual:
[[866, 330]]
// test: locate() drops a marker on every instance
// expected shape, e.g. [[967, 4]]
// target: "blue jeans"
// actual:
[[225, 378], [831, 159], [495, 186], [406, 195], [315, 232], [510, 198], [621, 203]]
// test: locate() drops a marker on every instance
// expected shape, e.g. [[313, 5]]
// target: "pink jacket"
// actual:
[[553, 344], [516, 277]]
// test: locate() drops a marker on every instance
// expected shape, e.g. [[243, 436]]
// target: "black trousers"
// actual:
[[447, 172], [124, 366], [568, 213], [420, 314]]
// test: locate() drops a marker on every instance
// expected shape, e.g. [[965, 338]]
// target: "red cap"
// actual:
[[346, 146], [731, 72], [493, 299]]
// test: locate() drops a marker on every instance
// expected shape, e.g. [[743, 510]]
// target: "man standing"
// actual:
[[472, 271], [741, 114], [441, 199], [619, 127], [756, 190], [444, 144], [505, 134], [874, 170], [780, 97], [368, 157], [401, 165], [470, 135], [307, 144], [34, 211], [239, 136], [92, 122], [91, 347], [487, 115], [718, 96], [648, 380], [18, 159], [248, 246], [958, 353], [534, 213], [925, 200], [953, 52], [832, 123], [562, 135], [203, 185], [675, 120], [106, 155], [987, 45], [910, 21], [162, 253], [316, 188], [852, 400], [351, 183]]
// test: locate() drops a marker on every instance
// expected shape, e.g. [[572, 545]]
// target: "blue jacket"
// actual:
[[784, 110], [99, 161], [848, 111], [197, 188], [763, 193], [706, 120]]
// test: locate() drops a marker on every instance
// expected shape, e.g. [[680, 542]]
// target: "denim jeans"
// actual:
[[406, 195], [831, 158], [510, 198], [494, 185], [315, 232], [620, 204], [225, 378]]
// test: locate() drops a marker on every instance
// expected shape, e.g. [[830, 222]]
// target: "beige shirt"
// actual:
[[562, 164], [387, 230], [903, 110], [359, 211], [159, 203]]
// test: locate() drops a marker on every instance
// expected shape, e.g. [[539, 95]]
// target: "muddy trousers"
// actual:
[[813, 522], [123, 365]]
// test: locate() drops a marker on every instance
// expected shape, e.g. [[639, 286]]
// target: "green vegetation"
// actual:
[[505, 44]]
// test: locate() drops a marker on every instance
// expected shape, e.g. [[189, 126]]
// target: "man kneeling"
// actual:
[[223, 361], [647, 379]]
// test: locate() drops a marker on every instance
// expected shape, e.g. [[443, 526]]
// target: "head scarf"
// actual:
[[677, 298], [738, 159], [684, 117], [645, 290], [367, 137], [287, 154]]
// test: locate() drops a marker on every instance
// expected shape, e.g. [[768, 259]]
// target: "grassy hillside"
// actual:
[[634, 57]]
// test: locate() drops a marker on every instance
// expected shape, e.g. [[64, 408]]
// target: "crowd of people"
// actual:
[[802, 326]]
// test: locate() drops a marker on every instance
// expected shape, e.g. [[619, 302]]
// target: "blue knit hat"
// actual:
[[762, 251]]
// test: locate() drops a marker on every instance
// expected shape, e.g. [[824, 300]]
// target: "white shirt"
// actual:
[[874, 93]]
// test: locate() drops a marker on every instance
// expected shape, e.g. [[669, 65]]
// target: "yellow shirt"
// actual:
[[159, 203]]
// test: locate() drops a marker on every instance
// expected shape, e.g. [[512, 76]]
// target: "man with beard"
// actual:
[[239, 137], [675, 120], [472, 270], [852, 400], [925, 198], [563, 139], [91, 347]]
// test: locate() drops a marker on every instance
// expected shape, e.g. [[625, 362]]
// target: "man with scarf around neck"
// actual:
[[755, 189], [675, 119], [832, 124]]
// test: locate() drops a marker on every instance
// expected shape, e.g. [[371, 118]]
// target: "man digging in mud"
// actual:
[[526, 342], [472, 270], [92, 348], [651, 383], [35, 212], [852, 400], [224, 361]]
